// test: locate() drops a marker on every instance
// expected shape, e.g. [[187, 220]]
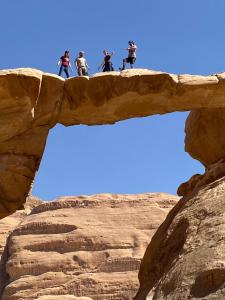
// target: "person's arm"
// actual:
[[76, 65], [70, 67], [59, 62], [101, 65], [113, 52]]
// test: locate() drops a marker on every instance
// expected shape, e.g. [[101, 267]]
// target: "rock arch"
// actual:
[[32, 102]]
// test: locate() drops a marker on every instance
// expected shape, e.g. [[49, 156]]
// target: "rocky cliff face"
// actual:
[[81, 246], [7, 225], [32, 102], [185, 259]]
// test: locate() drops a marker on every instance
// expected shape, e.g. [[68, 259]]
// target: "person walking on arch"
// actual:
[[107, 65], [131, 55], [81, 65], [64, 63]]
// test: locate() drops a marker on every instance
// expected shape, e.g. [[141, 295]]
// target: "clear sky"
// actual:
[[134, 156]]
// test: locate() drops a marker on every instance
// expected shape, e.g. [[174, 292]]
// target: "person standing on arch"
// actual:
[[81, 65], [131, 55], [64, 63], [107, 65]]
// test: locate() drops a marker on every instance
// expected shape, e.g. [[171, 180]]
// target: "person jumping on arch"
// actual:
[[107, 65], [131, 55], [64, 63]]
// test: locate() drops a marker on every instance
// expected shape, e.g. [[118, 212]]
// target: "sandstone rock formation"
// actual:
[[205, 130], [7, 225], [81, 246], [65, 297], [32, 102], [185, 259], [29, 104], [178, 264]]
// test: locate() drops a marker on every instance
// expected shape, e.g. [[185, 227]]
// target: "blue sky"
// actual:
[[134, 156]]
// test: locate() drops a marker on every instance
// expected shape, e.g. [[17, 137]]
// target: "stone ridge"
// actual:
[[76, 246], [32, 102]]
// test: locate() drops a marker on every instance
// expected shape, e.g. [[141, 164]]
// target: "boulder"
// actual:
[[205, 135]]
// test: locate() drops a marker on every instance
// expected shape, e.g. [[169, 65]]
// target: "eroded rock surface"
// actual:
[[185, 259], [32, 102], [82, 246], [29, 107], [7, 225], [205, 138]]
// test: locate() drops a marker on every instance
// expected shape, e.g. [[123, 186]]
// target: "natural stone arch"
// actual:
[[32, 102]]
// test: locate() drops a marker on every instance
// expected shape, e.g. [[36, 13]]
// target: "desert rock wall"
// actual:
[[29, 104], [80, 246], [185, 259], [7, 225]]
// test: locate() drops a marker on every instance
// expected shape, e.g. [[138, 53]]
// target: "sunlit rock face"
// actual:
[[185, 259], [80, 246], [32, 102], [205, 138], [7, 225], [29, 105]]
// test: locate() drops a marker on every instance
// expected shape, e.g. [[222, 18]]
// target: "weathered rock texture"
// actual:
[[81, 246], [29, 104], [186, 256], [205, 138], [7, 225], [32, 102]]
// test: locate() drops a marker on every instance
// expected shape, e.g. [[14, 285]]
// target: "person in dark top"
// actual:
[[64, 63], [131, 55], [107, 65]]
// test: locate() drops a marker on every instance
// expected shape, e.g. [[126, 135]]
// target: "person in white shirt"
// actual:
[[81, 65], [131, 55]]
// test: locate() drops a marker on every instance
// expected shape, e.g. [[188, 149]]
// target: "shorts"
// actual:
[[82, 71], [130, 60]]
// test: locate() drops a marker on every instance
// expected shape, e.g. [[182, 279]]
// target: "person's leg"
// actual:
[[60, 70], [79, 71], [67, 72], [105, 69], [124, 64], [84, 72], [132, 61]]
